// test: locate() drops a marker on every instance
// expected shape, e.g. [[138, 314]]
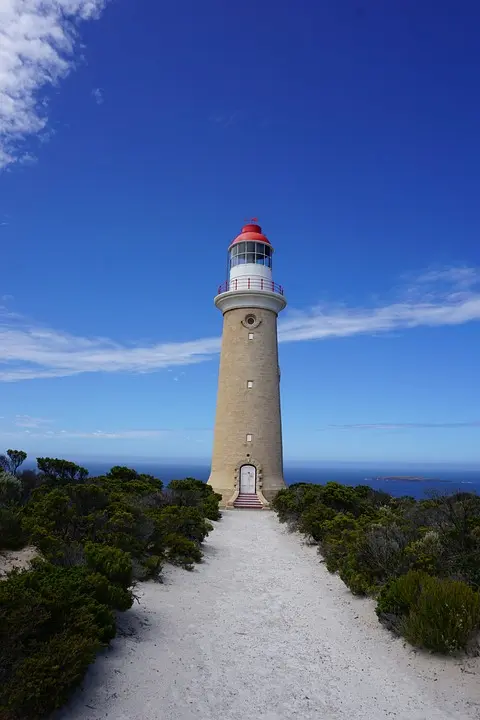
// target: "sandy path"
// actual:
[[261, 630]]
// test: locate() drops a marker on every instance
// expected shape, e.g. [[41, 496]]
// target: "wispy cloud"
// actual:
[[440, 298], [123, 434], [446, 297], [27, 421], [406, 426], [38, 39], [28, 351], [226, 120], [97, 94]]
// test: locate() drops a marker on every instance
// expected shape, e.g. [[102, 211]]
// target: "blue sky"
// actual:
[[136, 137]]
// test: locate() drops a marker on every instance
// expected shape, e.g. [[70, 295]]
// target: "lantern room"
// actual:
[[250, 262], [250, 254]]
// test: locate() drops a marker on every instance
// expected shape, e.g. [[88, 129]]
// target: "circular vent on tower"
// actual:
[[251, 321]]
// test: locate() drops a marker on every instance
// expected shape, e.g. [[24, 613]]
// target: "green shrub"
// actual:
[[52, 622], [446, 616], [291, 502], [439, 614], [186, 521], [61, 472], [94, 534], [181, 551], [357, 582], [397, 597], [153, 566], [210, 505], [195, 493], [128, 481], [43, 681], [377, 553], [313, 521], [11, 461], [12, 536], [115, 564], [339, 535], [426, 553], [417, 557], [10, 489]]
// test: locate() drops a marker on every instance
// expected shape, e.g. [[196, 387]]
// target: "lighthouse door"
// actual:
[[247, 479]]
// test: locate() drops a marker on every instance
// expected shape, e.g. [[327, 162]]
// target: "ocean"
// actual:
[[395, 481]]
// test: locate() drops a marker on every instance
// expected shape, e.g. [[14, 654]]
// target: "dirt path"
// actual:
[[261, 630]]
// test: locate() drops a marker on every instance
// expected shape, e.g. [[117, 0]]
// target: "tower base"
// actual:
[[221, 484]]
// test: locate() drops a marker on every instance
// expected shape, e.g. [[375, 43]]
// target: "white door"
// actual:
[[247, 479]]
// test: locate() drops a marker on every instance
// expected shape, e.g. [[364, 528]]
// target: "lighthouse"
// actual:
[[247, 462]]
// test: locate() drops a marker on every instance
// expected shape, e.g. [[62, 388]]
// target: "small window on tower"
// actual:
[[249, 383], [249, 438], [250, 336]]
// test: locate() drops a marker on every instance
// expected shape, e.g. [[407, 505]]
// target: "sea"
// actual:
[[418, 482]]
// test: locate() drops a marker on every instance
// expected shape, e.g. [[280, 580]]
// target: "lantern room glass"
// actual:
[[250, 252]]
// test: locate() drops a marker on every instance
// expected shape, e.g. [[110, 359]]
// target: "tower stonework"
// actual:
[[247, 462]]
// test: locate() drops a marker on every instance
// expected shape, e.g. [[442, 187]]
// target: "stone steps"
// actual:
[[248, 501]]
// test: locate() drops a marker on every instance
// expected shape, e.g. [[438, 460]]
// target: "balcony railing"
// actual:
[[250, 283]]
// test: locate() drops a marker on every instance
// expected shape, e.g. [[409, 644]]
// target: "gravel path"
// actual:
[[261, 630]]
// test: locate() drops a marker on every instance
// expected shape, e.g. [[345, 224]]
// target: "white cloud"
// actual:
[[27, 421], [27, 351], [37, 42], [447, 297], [226, 120], [118, 434], [97, 94], [406, 426], [123, 434]]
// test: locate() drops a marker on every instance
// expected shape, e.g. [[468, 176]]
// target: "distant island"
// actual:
[[406, 478]]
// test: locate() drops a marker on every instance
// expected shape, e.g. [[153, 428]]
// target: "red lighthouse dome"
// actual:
[[251, 231]]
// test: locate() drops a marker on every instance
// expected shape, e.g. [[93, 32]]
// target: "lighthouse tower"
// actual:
[[247, 464]]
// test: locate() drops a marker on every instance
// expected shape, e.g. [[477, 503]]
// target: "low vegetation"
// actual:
[[96, 537], [419, 559]]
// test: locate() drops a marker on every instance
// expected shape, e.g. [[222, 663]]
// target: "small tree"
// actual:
[[10, 488], [61, 472], [12, 461]]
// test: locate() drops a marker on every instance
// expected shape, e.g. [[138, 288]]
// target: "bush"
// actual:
[[181, 551], [291, 502], [52, 622], [195, 493], [115, 564], [12, 460], [442, 615], [397, 598], [61, 472], [43, 681], [314, 521], [12, 536], [95, 535], [426, 553], [412, 555], [152, 566], [10, 489], [186, 521]]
